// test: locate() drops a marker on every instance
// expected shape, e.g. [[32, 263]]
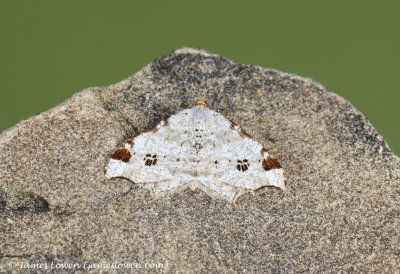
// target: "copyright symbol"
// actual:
[[11, 265]]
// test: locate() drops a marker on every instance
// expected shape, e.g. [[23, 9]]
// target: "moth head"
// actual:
[[201, 102]]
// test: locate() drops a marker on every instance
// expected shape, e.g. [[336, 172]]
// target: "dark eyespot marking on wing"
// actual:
[[242, 165], [150, 159]]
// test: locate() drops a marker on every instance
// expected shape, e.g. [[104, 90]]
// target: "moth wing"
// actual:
[[152, 161], [244, 166]]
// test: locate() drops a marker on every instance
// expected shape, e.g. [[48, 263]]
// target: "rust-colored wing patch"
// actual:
[[270, 163], [122, 154]]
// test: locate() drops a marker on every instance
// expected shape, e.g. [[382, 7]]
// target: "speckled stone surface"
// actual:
[[340, 212]]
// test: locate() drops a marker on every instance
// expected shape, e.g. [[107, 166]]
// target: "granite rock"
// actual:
[[340, 211]]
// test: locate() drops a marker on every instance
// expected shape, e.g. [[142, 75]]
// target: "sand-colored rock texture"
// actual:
[[340, 212]]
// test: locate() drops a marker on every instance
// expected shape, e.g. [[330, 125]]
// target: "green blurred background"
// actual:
[[52, 49]]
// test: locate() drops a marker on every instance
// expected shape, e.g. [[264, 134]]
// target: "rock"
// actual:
[[340, 211]]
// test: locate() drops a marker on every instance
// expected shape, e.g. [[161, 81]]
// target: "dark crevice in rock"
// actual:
[[22, 201]]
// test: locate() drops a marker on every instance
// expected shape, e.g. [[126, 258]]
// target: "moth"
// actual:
[[197, 148]]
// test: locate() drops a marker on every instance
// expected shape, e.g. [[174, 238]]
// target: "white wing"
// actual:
[[197, 147]]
